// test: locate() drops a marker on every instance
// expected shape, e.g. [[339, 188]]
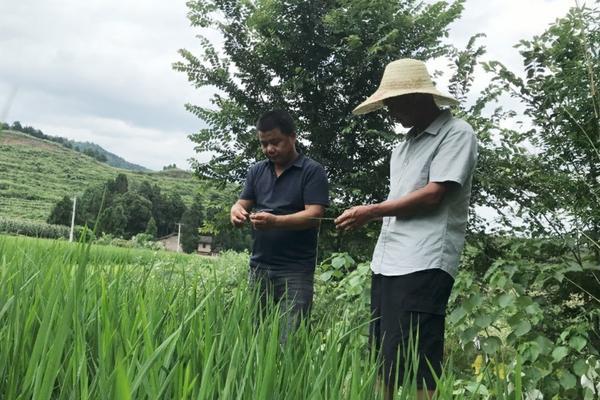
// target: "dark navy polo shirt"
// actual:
[[303, 182]]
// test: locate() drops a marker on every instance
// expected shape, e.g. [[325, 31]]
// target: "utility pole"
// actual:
[[73, 219], [179, 237]]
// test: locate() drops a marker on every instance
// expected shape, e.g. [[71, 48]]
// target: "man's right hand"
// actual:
[[238, 215]]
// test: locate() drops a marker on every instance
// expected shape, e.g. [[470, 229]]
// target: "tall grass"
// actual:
[[78, 322], [82, 322]]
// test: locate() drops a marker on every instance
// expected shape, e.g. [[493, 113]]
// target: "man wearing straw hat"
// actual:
[[424, 219]]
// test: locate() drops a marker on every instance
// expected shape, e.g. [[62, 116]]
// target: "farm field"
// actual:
[[110, 323], [81, 321], [36, 173]]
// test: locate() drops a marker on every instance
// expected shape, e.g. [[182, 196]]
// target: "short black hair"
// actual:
[[276, 119]]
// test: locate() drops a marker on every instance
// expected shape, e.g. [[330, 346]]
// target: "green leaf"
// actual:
[[524, 301], [506, 299], [469, 334], [363, 268], [473, 301], [580, 367], [567, 380], [338, 262], [522, 328], [530, 351], [355, 281], [563, 336], [477, 388], [533, 309], [545, 344], [483, 320], [122, 387], [577, 342], [559, 276], [457, 315], [491, 344], [559, 353], [145, 367], [589, 394], [325, 276], [500, 281]]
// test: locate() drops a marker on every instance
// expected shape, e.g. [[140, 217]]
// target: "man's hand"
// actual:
[[263, 220], [355, 217], [238, 215]]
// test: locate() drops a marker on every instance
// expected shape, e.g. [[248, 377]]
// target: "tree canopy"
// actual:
[[318, 60]]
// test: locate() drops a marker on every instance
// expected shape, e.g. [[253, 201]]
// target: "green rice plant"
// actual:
[[79, 321]]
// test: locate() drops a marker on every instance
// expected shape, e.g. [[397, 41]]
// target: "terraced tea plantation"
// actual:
[[36, 173]]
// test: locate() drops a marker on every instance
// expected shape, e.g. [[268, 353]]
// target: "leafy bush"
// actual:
[[528, 306], [344, 279], [146, 241], [39, 229], [139, 241], [524, 317], [340, 280]]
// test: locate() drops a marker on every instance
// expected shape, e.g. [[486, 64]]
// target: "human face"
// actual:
[[405, 109], [277, 146]]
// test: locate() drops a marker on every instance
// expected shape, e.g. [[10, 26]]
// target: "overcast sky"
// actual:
[[100, 70]]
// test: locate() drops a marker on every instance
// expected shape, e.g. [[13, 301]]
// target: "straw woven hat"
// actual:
[[402, 77]]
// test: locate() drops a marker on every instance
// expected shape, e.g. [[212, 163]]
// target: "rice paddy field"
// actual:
[[97, 322]]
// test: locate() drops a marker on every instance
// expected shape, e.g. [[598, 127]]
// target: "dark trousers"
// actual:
[[408, 323], [290, 289]]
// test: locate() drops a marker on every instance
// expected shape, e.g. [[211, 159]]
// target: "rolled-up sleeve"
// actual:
[[456, 158]]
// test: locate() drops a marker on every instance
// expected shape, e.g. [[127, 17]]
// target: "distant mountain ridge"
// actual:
[[89, 148], [111, 159]]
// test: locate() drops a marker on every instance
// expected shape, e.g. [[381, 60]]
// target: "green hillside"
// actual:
[[36, 173]]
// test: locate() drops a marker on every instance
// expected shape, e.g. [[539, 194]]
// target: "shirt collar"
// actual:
[[439, 122], [298, 162], [436, 125]]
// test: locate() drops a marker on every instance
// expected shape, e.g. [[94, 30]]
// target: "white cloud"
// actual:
[[79, 64]]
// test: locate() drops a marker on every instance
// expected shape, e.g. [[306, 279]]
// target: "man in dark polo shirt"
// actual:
[[288, 192]]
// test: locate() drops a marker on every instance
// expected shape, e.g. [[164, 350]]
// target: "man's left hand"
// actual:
[[263, 220], [354, 218]]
